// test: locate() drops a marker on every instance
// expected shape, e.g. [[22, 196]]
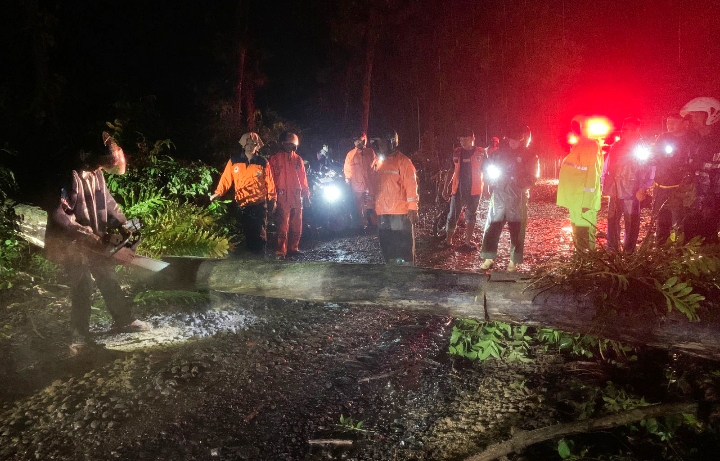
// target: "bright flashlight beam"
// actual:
[[668, 149], [331, 193], [642, 153], [572, 139], [493, 172]]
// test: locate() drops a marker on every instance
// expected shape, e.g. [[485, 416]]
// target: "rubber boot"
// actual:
[[582, 237]]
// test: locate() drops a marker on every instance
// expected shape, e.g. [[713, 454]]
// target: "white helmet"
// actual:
[[703, 104]]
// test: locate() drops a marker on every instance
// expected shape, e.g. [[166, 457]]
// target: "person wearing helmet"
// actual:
[[78, 223], [291, 183], [510, 172], [626, 176], [703, 114], [579, 184], [254, 191], [671, 158], [494, 145], [465, 186], [360, 176], [396, 201]]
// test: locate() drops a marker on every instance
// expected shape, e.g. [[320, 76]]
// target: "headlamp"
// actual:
[[642, 153], [669, 149], [493, 172]]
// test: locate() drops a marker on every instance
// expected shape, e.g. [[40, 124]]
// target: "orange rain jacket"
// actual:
[[476, 165], [358, 169], [253, 180], [396, 190], [291, 181]]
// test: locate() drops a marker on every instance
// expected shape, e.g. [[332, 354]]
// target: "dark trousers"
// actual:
[[253, 220], [457, 201], [491, 238], [80, 279], [668, 211], [397, 238], [629, 211]]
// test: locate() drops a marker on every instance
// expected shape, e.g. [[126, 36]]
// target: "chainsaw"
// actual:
[[121, 244]]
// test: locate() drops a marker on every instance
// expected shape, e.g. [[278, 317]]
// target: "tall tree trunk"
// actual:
[[369, 58], [250, 103], [242, 52]]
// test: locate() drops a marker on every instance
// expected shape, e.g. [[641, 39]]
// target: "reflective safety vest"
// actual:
[[579, 182], [476, 165], [253, 180], [397, 189]]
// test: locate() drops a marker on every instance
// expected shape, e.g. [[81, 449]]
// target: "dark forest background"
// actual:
[[200, 73]]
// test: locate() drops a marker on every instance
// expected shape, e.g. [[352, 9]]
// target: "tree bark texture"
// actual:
[[499, 296]]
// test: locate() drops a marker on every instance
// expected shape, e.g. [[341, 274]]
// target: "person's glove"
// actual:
[[213, 197], [271, 206], [414, 217]]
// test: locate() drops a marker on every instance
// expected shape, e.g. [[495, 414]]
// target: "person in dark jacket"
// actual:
[[704, 219], [626, 177], [510, 171], [465, 186], [77, 226], [671, 158]]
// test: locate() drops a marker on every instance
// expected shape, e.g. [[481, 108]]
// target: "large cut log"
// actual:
[[499, 296]]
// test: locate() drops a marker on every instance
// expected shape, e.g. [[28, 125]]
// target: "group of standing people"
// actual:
[[681, 168], [507, 167], [384, 190]]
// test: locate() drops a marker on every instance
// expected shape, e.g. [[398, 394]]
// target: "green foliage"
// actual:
[[655, 278], [588, 346], [182, 229], [160, 191], [608, 399], [170, 297], [480, 340], [152, 172], [349, 424], [12, 246]]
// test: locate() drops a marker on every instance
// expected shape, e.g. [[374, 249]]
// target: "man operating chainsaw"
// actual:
[[78, 236]]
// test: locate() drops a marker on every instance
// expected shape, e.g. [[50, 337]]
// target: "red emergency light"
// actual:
[[598, 127]]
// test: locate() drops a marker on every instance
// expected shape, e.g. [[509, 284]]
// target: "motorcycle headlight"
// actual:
[[493, 172], [331, 193]]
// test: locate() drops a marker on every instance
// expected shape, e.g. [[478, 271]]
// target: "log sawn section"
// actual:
[[499, 296]]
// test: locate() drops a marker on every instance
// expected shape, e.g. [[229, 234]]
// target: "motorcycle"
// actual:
[[332, 203]]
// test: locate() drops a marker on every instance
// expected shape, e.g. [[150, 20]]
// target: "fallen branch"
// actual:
[[526, 438], [35, 329], [381, 376], [330, 442]]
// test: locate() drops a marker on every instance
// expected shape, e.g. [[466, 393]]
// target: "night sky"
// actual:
[[438, 66]]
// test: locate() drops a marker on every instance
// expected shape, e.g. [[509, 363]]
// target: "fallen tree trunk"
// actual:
[[524, 439], [500, 296], [496, 297]]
